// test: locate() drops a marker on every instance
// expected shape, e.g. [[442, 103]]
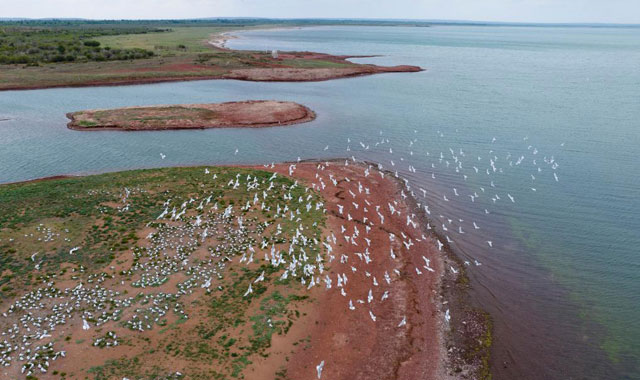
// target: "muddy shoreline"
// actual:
[[238, 114]]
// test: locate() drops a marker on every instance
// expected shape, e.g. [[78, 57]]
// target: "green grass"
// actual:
[[85, 123], [313, 64], [194, 40], [232, 330]]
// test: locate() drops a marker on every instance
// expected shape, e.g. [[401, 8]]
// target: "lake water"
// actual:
[[562, 277]]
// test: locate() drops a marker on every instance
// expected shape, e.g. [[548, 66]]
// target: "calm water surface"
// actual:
[[562, 279]]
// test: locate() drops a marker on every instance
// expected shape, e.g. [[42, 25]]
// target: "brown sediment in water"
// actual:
[[246, 114]]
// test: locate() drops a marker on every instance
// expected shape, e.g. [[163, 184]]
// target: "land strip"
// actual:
[[166, 53]]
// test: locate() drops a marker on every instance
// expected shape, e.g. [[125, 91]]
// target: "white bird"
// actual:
[[249, 291], [260, 278], [490, 243], [319, 368], [403, 322], [162, 156]]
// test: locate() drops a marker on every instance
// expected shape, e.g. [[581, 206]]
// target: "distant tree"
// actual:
[[92, 43]]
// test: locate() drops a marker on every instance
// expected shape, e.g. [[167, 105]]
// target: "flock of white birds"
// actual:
[[184, 225]]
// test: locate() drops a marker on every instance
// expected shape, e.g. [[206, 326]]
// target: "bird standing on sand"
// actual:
[[319, 368]]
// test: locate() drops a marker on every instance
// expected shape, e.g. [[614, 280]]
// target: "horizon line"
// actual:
[[374, 19]]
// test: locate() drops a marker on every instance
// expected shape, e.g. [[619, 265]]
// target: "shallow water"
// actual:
[[562, 277]]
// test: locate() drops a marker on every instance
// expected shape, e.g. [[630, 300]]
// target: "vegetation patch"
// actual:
[[152, 274]]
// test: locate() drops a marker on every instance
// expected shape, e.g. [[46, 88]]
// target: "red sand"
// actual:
[[351, 344]]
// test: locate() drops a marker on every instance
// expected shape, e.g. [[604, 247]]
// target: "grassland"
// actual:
[[179, 41], [163, 296]]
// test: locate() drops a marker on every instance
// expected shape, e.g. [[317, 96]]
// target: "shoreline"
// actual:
[[458, 339], [236, 114], [221, 39]]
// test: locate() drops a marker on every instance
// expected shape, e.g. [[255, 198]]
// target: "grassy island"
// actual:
[[247, 114]]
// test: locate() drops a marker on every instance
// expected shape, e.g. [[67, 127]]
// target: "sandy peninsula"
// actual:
[[244, 114], [205, 58]]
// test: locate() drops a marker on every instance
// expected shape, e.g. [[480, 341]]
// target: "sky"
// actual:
[[553, 11]]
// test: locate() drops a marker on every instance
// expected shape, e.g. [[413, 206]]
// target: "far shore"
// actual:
[[243, 114], [216, 62]]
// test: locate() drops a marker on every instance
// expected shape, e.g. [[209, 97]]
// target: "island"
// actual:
[[242, 114]]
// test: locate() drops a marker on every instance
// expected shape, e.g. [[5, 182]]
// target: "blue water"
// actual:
[[562, 279]]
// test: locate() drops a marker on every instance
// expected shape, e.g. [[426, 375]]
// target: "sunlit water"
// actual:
[[562, 278]]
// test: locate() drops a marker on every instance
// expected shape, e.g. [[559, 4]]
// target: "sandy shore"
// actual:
[[246, 114]]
